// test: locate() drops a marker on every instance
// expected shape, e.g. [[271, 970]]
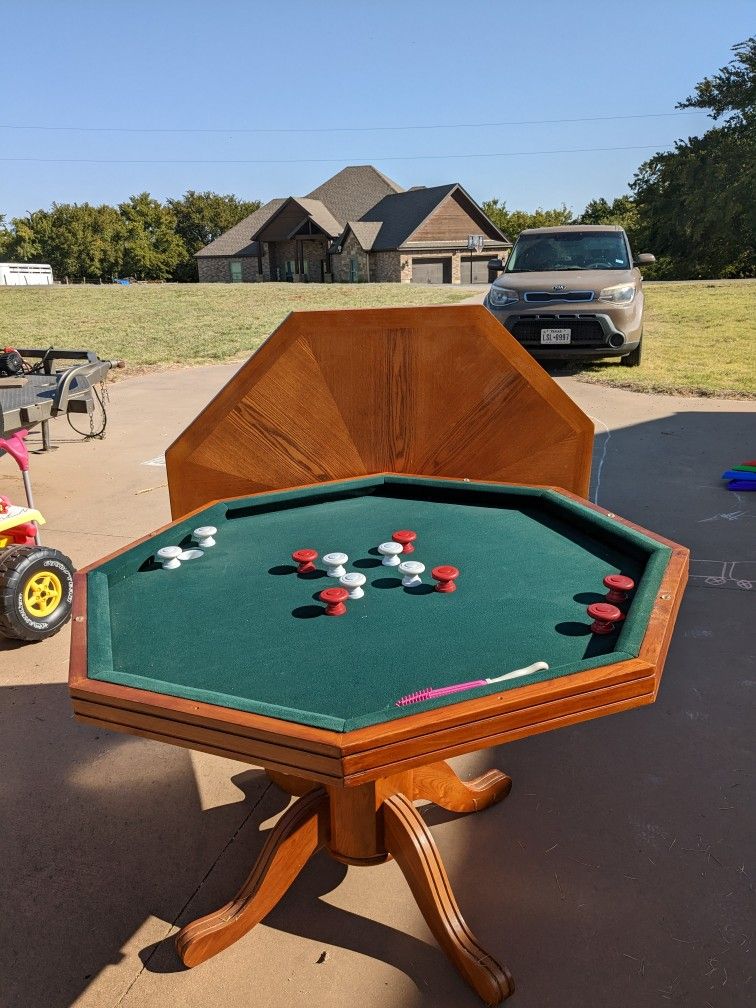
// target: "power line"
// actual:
[[345, 129], [361, 159]]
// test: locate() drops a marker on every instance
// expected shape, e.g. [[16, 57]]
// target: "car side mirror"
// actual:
[[645, 259]]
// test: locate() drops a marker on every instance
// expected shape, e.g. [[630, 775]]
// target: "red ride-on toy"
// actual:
[[36, 582]]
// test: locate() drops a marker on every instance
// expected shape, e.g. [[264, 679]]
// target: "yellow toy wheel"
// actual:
[[42, 594], [36, 591]]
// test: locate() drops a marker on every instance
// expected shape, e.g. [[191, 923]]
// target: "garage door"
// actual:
[[479, 269], [431, 271]]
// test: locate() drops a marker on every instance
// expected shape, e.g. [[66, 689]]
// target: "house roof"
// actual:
[[353, 191], [380, 213], [322, 216], [365, 232], [278, 227], [345, 196], [238, 241], [397, 216]]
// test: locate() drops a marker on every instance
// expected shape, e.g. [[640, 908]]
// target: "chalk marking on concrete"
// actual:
[[159, 460], [600, 467], [718, 573], [728, 516]]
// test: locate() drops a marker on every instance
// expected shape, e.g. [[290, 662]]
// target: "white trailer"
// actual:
[[25, 274]]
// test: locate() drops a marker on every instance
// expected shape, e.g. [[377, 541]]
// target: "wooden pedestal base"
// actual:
[[365, 825]]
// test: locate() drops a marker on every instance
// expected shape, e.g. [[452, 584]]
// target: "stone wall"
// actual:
[[217, 269], [341, 263]]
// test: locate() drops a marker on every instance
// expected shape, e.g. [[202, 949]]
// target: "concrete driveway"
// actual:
[[618, 872]]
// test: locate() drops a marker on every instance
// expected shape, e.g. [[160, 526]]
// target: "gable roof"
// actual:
[[392, 221], [275, 229], [347, 195], [365, 232], [381, 214], [351, 192], [238, 240]]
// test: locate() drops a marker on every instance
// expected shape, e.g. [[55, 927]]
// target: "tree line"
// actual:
[[141, 238], [694, 207]]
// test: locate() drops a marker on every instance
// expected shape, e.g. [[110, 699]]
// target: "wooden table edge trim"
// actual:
[[395, 757], [479, 734], [589, 714], [80, 686], [198, 745], [466, 712]]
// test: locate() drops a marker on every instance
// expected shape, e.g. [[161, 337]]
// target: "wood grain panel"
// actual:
[[451, 221], [430, 391], [286, 431]]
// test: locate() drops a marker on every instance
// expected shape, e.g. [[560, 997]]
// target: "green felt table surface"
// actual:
[[238, 627]]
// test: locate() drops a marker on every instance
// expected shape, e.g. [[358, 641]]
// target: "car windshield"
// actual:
[[573, 250]]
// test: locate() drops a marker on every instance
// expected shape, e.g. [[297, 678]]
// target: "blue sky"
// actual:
[[357, 71]]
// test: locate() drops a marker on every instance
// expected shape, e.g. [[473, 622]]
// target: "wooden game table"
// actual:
[[232, 654]]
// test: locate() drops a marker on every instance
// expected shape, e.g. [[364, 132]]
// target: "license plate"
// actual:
[[556, 335]]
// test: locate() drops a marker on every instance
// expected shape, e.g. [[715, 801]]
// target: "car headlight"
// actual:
[[500, 296], [621, 294]]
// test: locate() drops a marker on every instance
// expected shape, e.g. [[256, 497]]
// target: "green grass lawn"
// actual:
[[148, 325], [699, 337]]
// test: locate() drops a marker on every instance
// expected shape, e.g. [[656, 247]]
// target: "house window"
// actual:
[[290, 269], [305, 269], [236, 271], [353, 270]]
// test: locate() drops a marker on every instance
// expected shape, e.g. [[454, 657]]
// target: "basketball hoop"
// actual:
[[474, 244]]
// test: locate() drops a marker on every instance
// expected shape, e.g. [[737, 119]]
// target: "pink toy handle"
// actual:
[[438, 691], [445, 690], [15, 447]]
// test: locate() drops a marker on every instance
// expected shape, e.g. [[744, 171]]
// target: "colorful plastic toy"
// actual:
[[36, 582]]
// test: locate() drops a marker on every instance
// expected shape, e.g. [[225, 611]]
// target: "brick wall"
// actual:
[[404, 260], [380, 267], [217, 269], [385, 268], [313, 251]]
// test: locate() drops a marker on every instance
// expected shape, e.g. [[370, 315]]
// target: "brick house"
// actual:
[[358, 226]]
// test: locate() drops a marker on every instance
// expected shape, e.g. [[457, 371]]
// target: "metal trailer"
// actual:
[[51, 390]]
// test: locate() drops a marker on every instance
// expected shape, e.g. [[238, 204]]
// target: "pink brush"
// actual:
[[430, 693]]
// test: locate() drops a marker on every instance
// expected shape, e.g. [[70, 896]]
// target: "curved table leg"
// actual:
[[298, 834], [414, 850], [440, 784]]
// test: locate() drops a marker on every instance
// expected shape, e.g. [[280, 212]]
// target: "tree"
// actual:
[[732, 89], [78, 240], [201, 217], [152, 248], [621, 211], [6, 237], [512, 222], [696, 205]]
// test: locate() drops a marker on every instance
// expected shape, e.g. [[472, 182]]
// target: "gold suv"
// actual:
[[573, 291]]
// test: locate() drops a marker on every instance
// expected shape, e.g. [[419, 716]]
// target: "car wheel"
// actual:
[[633, 359], [36, 591]]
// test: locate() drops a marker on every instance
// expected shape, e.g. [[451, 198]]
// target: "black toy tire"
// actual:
[[17, 565], [633, 359]]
